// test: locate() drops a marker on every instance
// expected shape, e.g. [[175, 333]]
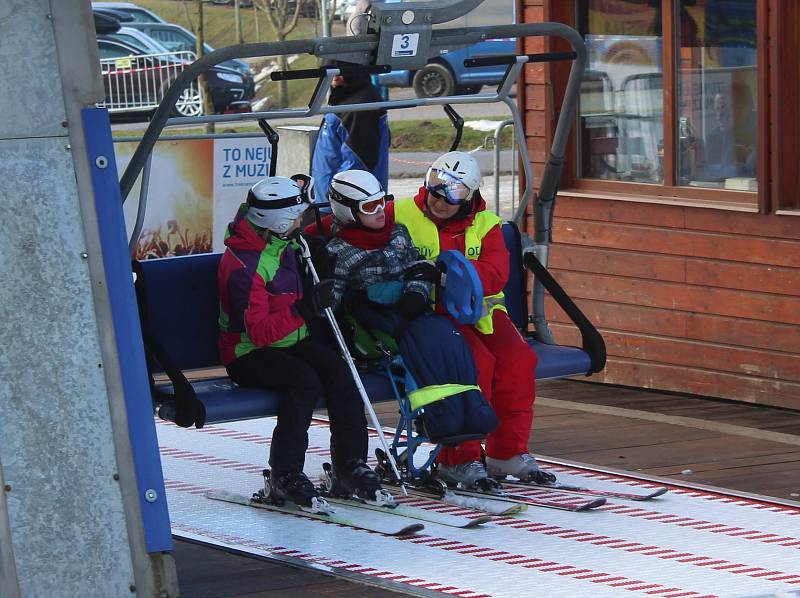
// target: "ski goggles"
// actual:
[[447, 187], [306, 184], [372, 204]]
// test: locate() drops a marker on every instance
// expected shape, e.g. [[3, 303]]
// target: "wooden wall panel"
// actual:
[[620, 263], [655, 239], [693, 354], [735, 332], [700, 219], [704, 272], [701, 382], [675, 296], [689, 298], [732, 275]]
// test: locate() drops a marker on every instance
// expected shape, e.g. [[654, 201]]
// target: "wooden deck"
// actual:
[[742, 447]]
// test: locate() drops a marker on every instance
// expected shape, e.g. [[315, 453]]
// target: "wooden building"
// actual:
[[677, 224]]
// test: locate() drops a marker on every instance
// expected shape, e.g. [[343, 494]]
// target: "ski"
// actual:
[[387, 529], [498, 501], [562, 505], [486, 504], [413, 513], [386, 503], [588, 491]]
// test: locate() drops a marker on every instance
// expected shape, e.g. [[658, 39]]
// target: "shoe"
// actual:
[[523, 467], [468, 475], [294, 487], [354, 477]]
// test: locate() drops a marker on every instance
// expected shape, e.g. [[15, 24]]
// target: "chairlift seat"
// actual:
[[554, 361], [179, 306]]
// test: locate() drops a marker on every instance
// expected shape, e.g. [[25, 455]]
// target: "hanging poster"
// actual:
[[195, 188]]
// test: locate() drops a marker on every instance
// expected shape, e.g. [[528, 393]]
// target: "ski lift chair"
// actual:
[[178, 297], [179, 307]]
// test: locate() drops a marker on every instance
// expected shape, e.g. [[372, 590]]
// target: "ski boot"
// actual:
[[467, 476], [523, 467], [291, 487], [354, 479]]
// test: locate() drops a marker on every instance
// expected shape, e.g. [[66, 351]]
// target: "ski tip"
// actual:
[[478, 521], [659, 492], [593, 504], [515, 510], [409, 530]]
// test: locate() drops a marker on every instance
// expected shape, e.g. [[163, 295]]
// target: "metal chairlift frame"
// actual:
[[374, 51]]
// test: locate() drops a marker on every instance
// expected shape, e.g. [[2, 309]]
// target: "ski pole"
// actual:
[[306, 255]]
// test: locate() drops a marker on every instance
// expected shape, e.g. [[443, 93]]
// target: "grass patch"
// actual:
[[433, 135], [220, 26], [407, 135], [300, 90]]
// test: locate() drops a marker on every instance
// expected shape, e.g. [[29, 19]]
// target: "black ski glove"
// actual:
[[314, 302], [425, 270], [412, 305], [324, 261]]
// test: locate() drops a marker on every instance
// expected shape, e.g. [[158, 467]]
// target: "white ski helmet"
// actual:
[[454, 176], [275, 202], [354, 191]]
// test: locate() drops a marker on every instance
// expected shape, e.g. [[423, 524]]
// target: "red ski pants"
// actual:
[[506, 374]]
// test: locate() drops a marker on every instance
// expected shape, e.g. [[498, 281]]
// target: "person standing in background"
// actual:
[[351, 140]]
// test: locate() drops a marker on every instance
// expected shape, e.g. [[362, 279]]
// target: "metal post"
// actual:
[[497, 132], [71, 517], [9, 586], [326, 24], [141, 209]]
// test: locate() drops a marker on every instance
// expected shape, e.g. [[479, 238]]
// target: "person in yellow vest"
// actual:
[[449, 213]]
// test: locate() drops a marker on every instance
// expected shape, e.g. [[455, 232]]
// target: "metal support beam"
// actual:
[[70, 516]]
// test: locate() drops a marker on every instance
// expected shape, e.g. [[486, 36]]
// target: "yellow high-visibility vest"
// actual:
[[425, 236]]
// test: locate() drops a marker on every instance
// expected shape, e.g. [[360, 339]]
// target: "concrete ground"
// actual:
[[687, 438]]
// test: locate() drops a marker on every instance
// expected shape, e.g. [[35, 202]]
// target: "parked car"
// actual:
[[175, 38], [105, 22], [139, 14], [136, 81], [228, 88], [122, 17], [446, 74]]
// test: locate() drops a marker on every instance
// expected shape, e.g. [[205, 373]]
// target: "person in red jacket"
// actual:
[[449, 213]]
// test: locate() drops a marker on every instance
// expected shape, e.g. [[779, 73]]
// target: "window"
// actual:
[[130, 40], [141, 16], [174, 40], [108, 50], [669, 97]]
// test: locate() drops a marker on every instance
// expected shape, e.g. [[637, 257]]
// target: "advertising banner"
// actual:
[[239, 163], [196, 186]]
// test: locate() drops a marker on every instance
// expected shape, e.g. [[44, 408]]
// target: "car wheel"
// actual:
[[190, 103], [433, 81]]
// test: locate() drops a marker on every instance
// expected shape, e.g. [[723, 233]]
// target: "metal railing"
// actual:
[[497, 167], [139, 82]]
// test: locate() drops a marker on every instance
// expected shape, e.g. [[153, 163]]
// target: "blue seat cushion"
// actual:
[[558, 361], [226, 401]]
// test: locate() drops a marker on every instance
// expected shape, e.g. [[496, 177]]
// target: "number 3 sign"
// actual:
[[405, 44]]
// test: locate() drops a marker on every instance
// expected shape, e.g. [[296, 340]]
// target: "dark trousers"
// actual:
[[306, 372]]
